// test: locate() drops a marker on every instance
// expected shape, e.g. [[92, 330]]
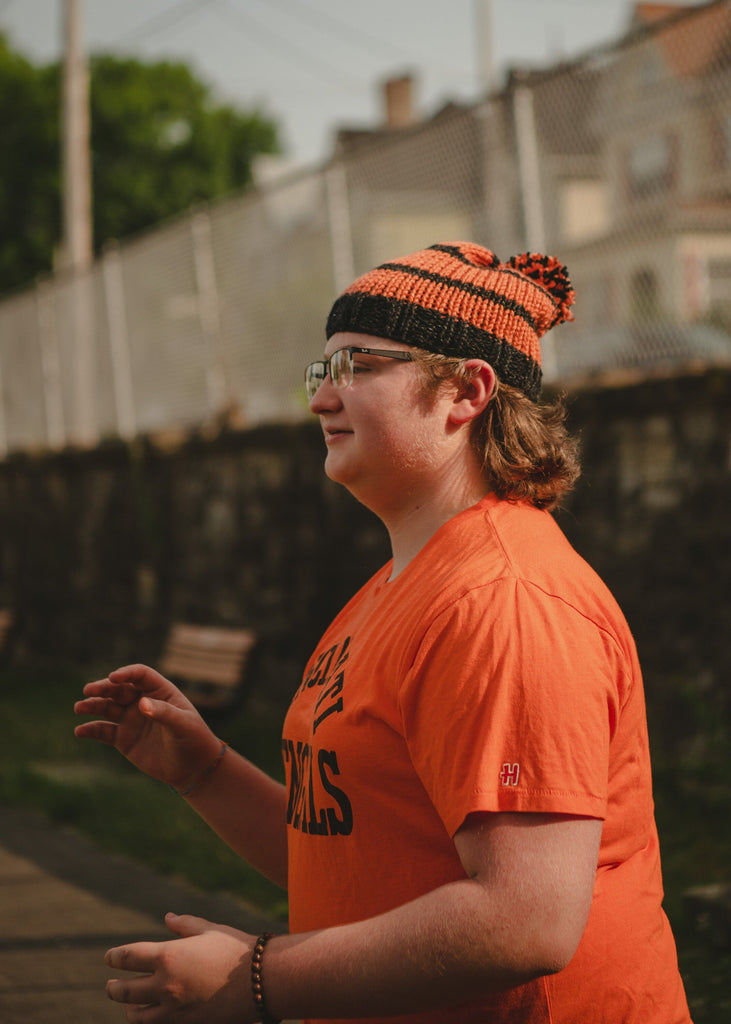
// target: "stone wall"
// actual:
[[651, 514], [100, 550]]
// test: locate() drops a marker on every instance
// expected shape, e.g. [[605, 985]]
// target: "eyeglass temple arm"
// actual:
[[388, 353]]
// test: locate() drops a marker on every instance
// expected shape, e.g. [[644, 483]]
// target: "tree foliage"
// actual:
[[30, 173], [159, 143]]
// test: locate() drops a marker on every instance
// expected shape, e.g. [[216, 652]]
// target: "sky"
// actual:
[[316, 65]]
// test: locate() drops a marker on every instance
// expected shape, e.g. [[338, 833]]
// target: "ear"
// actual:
[[471, 397]]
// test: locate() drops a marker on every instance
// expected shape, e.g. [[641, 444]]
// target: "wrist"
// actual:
[[210, 766], [257, 981]]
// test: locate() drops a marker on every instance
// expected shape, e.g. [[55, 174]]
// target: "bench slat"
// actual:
[[223, 639], [207, 662], [7, 621], [199, 671]]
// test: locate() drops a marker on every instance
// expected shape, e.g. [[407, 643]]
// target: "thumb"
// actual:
[[186, 925], [161, 710]]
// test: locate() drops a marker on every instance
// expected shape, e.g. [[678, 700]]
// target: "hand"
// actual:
[[150, 722], [201, 978]]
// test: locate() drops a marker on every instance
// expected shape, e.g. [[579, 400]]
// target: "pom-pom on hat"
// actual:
[[458, 299]]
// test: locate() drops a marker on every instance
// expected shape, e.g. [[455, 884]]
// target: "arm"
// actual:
[[518, 914], [157, 729]]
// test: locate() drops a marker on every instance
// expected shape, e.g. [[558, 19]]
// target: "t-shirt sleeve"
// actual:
[[510, 705]]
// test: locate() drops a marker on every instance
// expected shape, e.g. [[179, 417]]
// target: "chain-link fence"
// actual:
[[620, 164]]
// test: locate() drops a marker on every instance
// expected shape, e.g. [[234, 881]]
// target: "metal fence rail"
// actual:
[[620, 164]]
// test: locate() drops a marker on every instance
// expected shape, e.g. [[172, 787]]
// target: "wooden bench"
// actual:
[[207, 662], [710, 909], [7, 621]]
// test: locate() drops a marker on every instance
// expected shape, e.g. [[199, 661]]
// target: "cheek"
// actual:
[[411, 444]]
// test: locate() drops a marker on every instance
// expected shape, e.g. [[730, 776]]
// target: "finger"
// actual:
[[146, 1014], [141, 991], [167, 713], [141, 676], [186, 925], [99, 706], [139, 956], [147, 681], [122, 693], [104, 732]]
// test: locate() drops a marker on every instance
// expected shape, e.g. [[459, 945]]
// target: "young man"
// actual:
[[467, 828]]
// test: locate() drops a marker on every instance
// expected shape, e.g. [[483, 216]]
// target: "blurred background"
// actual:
[[184, 189]]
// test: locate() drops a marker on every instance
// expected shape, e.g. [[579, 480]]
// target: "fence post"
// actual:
[[341, 238], [531, 195], [119, 350], [84, 429], [209, 309], [3, 430], [529, 168], [50, 365]]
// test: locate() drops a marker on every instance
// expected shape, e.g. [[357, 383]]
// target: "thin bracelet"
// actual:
[[257, 986], [206, 771]]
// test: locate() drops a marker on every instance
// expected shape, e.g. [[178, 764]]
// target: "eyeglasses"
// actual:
[[341, 367]]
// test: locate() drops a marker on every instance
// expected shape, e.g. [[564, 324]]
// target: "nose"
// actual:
[[326, 398]]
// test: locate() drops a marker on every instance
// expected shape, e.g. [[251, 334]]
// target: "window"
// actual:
[[719, 288], [650, 166], [599, 301], [644, 297], [649, 70], [724, 141]]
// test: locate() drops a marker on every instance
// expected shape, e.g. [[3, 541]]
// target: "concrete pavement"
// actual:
[[63, 903]]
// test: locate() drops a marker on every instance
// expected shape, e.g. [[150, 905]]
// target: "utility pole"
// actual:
[[77, 248], [77, 232], [487, 73]]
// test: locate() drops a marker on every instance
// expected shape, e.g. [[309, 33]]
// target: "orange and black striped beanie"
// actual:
[[458, 299]]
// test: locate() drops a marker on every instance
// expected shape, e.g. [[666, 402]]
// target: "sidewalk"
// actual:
[[63, 903]]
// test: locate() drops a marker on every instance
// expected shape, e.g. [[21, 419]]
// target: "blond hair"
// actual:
[[525, 448]]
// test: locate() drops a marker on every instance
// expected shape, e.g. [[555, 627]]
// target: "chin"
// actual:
[[337, 473]]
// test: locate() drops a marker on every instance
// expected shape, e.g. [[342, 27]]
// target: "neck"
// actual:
[[415, 521]]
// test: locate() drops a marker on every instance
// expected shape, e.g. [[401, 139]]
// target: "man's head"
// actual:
[[455, 304], [458, 300]]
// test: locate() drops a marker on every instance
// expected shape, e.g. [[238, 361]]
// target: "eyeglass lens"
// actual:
[[339, 366]]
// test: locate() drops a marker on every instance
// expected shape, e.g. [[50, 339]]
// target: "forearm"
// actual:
[[518, 913], [247, 809], [453, 945]]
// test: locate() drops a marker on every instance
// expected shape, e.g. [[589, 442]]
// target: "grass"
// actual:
[[91, 788], [692, 812]]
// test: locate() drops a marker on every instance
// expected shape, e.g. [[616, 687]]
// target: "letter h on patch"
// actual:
[[509, 774]]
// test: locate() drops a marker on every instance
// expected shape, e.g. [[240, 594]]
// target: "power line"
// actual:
[[246, 24], [170, 18], [342, 29], [364, 40], [542, 3]]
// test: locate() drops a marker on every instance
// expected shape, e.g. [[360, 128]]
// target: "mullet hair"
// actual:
[[526, 450]]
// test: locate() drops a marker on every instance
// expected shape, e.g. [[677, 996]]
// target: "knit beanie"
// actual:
[[459, 300]]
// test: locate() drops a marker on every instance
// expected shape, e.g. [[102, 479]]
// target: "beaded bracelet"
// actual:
[[206, 771], [257, 986]]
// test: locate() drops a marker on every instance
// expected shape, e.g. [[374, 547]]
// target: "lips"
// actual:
[[334, 431], [333, 434]]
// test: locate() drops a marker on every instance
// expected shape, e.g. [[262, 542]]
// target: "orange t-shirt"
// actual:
[[494, 673]]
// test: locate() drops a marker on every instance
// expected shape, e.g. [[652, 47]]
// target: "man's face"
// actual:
[[384, 438]]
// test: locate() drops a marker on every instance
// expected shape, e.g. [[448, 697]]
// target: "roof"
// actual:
[[694, 39], [647, 13]]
